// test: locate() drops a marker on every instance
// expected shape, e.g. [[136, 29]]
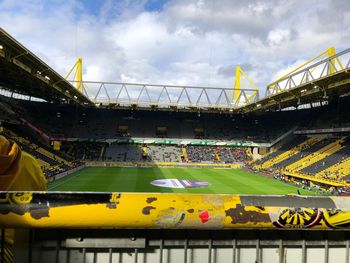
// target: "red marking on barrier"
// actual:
[[204, 216]]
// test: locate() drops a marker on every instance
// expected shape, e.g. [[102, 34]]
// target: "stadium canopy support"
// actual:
[[112, 94], [329, 54], [78, 76], [242, 98]]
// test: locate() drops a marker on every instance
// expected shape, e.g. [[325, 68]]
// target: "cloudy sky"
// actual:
[[182, 42]]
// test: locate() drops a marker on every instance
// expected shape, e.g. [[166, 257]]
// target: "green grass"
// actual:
[[122, 179]]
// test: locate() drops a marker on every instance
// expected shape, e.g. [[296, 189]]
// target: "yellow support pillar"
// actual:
[[144, 151], [184, 153], [332, 67], [237, 94], [78, 76], [237, 86], [217, 155], [79, 85]]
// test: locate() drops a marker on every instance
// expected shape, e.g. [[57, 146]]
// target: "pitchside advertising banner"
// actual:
[[175, 142]]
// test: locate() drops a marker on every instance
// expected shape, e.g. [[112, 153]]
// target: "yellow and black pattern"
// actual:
[[157, 210], [299, 218]]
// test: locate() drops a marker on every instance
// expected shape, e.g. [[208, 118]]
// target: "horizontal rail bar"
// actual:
[[171, 211]]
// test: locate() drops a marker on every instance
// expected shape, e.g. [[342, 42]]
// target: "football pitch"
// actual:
[[129, 179]]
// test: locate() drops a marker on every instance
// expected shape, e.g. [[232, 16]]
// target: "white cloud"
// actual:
[[278, 36]]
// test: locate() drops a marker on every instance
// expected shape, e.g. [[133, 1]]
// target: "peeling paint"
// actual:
[[127, 210], [39, 213], [111, 205], [239, 215], [147, 210], [182, 217], [151, 199]]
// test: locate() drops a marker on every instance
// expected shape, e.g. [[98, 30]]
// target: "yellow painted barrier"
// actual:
[[314, 179], [171, 211], [164, 164]]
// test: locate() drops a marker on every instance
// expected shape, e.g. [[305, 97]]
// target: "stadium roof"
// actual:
[[24, 73], [322, 81]]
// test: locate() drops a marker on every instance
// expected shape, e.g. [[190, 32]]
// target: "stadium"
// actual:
[[165, 173]]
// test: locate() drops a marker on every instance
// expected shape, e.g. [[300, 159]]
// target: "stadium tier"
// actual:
[[307, 144]]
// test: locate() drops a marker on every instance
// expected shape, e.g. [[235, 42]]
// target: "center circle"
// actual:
[[179, 183]]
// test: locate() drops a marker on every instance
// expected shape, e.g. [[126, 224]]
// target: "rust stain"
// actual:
[[151, 199], [147, 210], [190, 210], [112, 205], [241, 216]]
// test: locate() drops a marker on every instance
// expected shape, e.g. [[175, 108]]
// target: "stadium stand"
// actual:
[[64, 121], [91, 134], [330, 160], [123, 153], [88, 134], [198, 154], [163, 153], [291, 151]]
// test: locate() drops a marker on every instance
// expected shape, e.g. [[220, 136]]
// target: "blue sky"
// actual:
[[182, 42]]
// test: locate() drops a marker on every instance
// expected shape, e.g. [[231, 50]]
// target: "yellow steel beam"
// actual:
[[170, 211], [78, 77], [240, 76], [330, 52], [78, 74], [237, 87]]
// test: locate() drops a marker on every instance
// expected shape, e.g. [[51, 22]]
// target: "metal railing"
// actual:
[[148, 95], [322, 69]]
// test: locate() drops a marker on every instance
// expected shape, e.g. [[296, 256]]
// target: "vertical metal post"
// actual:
[[161, 251], [303, 251], [68, 256], [326, 251], [281, 251], [110, 252], [135, 254], [209, 250], [185, 250], [238, 255], [234, 251], [257, 255], [2, 245], [57, 250], [30, 245], [347, 251], [84, 255]]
